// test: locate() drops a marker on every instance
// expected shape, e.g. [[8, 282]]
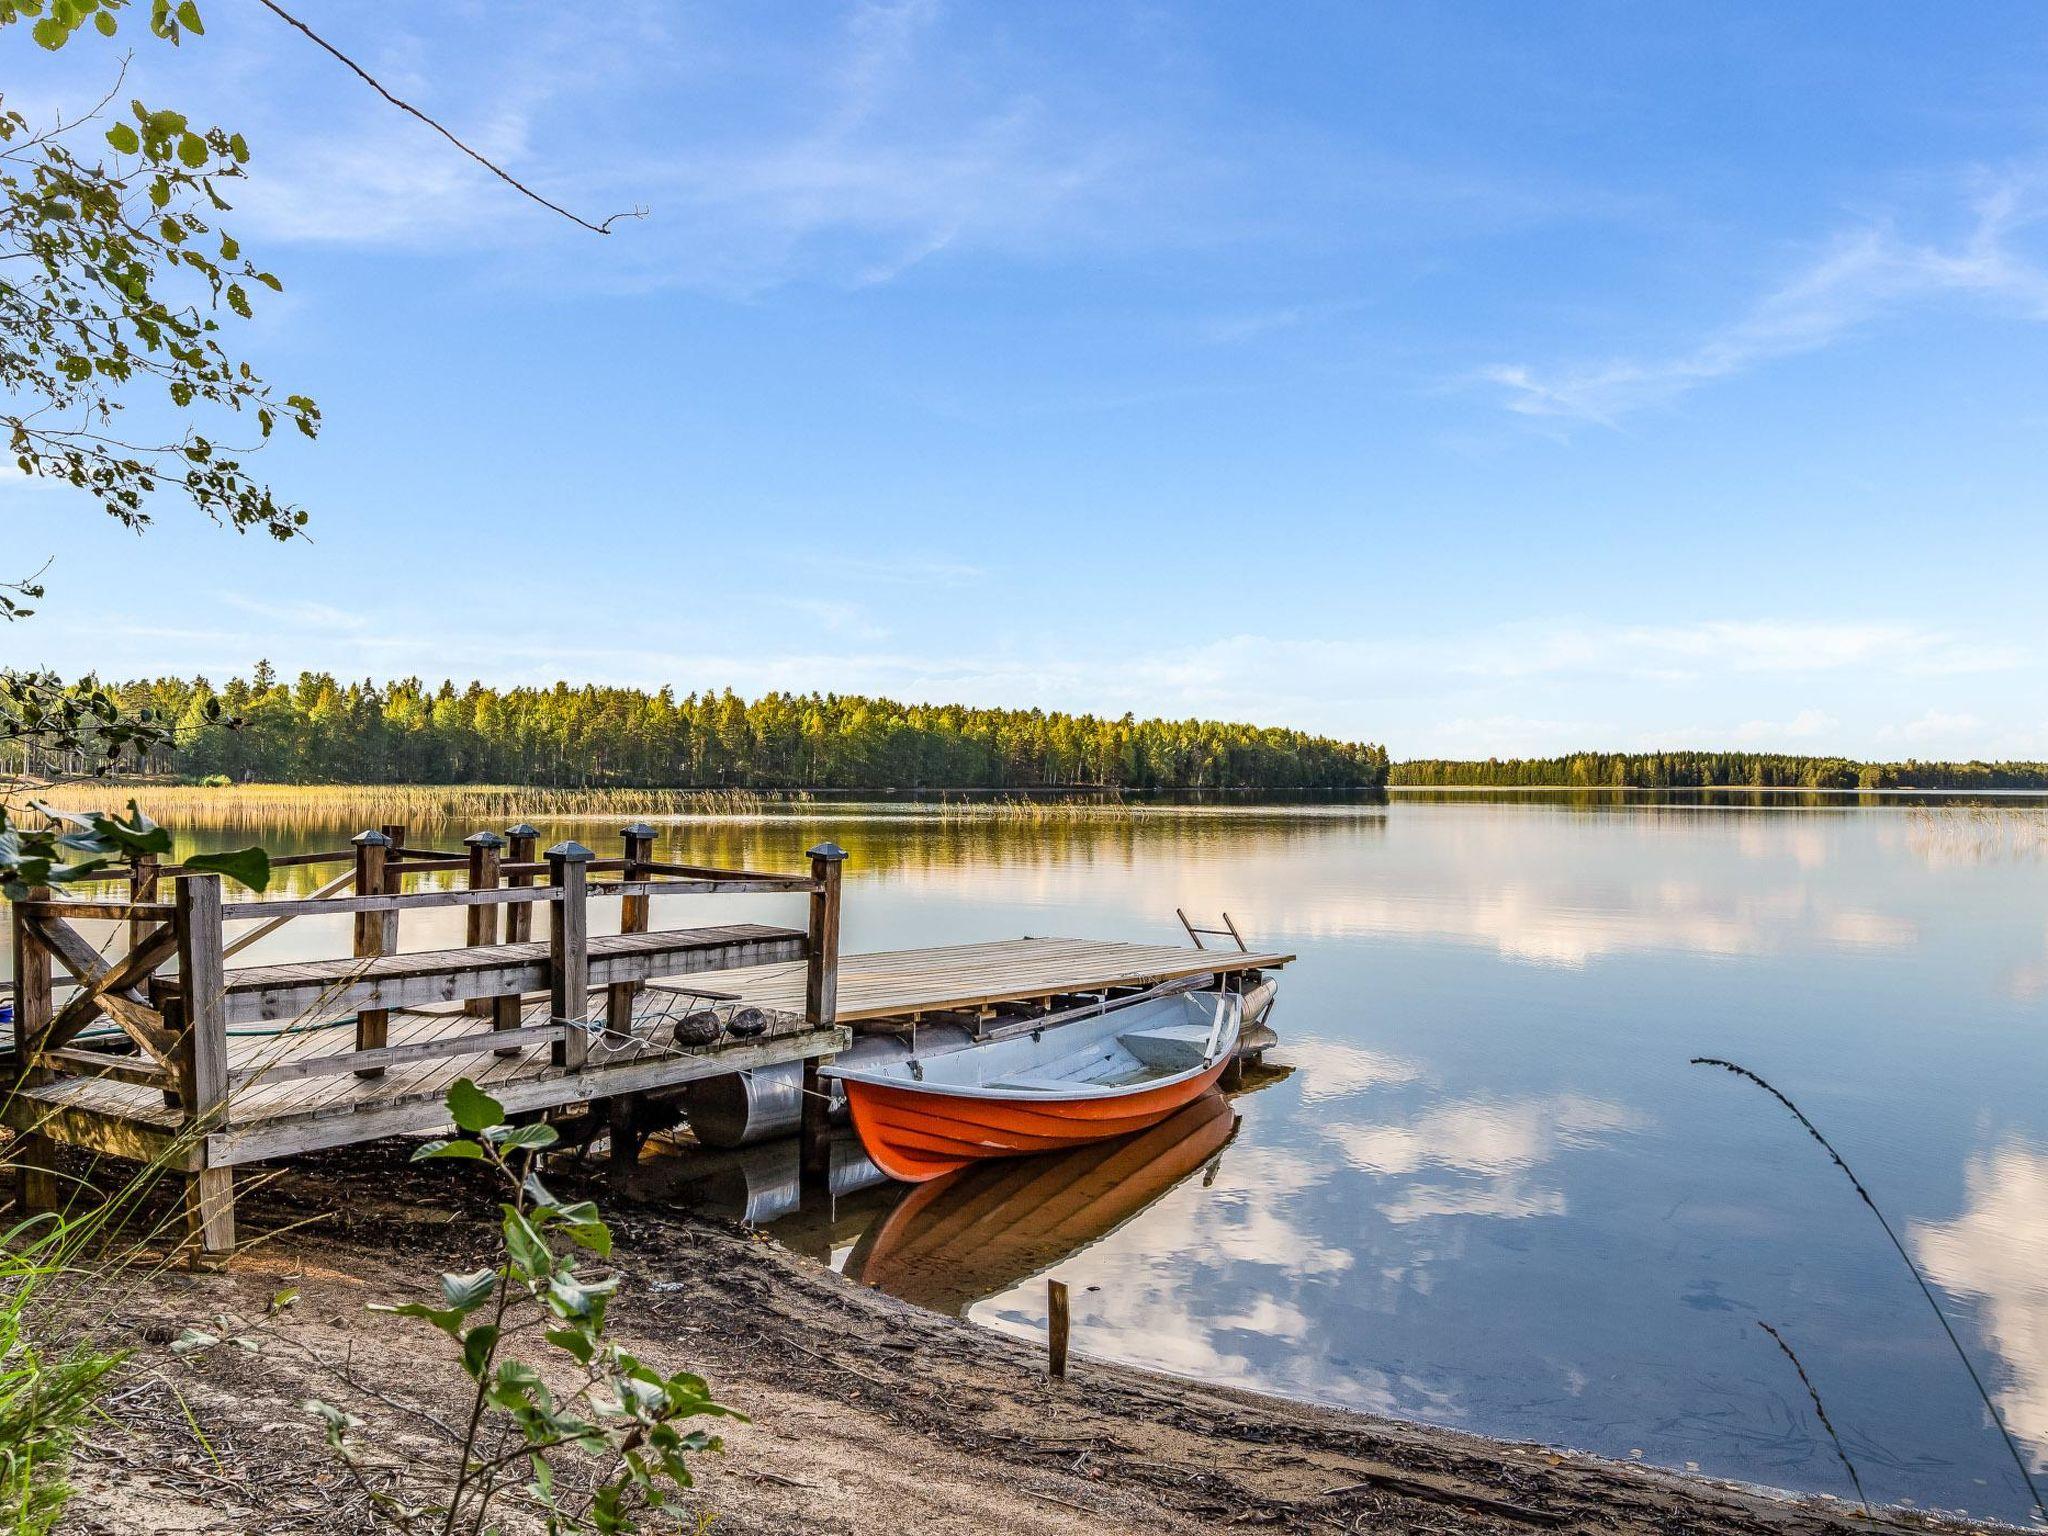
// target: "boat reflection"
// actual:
[[990, 1226], [969, 1235]]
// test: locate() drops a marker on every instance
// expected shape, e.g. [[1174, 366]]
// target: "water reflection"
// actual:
[[1996, 1253], [990, 1227]]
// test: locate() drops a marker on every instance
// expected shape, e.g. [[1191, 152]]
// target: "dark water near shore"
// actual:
[[1491, 1193]]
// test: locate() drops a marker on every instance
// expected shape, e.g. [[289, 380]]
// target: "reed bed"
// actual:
[[316, 807], [271, 809], [1979, 834]]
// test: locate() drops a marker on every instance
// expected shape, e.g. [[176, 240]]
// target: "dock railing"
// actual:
[[178, 1022]]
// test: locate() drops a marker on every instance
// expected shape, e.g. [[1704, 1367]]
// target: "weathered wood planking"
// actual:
[[336, 988], [897, 983], [277, 1119]]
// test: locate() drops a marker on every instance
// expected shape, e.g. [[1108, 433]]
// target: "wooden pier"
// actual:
[[217, 1065], [223, 1065], [910, 985]]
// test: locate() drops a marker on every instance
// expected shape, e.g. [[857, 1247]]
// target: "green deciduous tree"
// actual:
[[116, 280]]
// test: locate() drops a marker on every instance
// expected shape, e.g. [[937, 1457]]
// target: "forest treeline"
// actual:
[[1695, 770], [316, 729]]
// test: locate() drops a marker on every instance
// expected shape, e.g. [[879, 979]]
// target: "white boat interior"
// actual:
[[1147, 1043]]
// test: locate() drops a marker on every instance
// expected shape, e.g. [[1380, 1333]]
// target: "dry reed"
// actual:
[[1820, 1411], [1905, 1258]]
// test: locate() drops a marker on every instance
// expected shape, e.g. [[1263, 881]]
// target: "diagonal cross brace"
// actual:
[[109, 989]]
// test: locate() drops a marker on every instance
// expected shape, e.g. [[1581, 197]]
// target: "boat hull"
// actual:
[[915, 1136]]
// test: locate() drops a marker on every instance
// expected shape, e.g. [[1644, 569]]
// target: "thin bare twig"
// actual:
[[407, 107]]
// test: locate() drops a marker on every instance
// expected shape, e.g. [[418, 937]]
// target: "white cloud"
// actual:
[[1993, 1251], [1481, 1136], [1940, 725], [1806, 726], [1860, 276]]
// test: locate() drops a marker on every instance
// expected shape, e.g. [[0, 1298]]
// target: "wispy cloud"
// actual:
[[1862, 275], [1807, 726]]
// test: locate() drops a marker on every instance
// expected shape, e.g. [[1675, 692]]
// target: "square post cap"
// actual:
[[371, 839], [569, 851], [524, 829], [638, 829], [484, 840], [830, 853]]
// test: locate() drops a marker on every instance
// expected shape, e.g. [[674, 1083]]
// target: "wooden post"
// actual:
[[376, 934], [482, 926], [35, 1007], [568, 951], [633, 917], [821, 1005], [1056, 1329], [142, 883], [35, 1010], [520, 844], [203, 1056]]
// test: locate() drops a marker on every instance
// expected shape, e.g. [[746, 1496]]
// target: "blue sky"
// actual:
[[1475, 378]]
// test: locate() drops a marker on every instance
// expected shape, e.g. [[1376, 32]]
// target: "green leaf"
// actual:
[[188, 18], [528, 1250], [249, 866], [432, 1149], [192, 1341], [477, 1345], [572, 1297], [104, 20], [449, 1322], [472, 1108], [465, 1293], [575, 1341], [510, 1138], [191, 150], [121, 136], [584, 1227]]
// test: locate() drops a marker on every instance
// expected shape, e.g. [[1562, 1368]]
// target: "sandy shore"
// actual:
[[868, 1415]]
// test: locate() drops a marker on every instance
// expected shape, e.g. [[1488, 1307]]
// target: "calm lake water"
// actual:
[[1487, 1190]]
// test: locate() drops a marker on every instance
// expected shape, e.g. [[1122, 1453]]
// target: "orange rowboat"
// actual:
[[1104, 1075]]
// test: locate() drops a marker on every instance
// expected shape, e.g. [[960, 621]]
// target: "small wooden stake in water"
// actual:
[[1056, 1329]]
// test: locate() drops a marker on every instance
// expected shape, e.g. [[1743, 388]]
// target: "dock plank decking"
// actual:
[[903, 983]]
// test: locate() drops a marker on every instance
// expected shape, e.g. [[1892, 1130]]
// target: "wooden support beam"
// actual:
[[633, 914], [34, 1156], [480, 926], [716, 876], [384, 906], [334, 989], [821, 1005], [569, 953], [520, 842], [376, 934], [142, 884], [139, 916], [106, 990], [121, 1069], [1056, 1329], [34, 1004], [209, 1192]]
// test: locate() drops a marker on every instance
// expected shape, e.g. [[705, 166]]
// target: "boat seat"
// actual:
[[1170, 1047]]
